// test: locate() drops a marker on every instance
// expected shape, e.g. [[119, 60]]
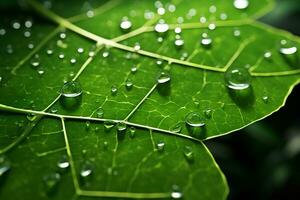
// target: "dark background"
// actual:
[[263, 161]]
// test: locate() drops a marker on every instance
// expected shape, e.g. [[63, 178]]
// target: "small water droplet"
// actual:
[[176, 193], [223, 16], [237, 79], [49, 51], [61, 55], [87, 125], [51, 181], [212, 27], [5, 165], [133, 69], [188, 153], [179, 43], [125, 24], [208, 113], [177, 30], [2, 31], [265, 99], [267, 55], [128, 84], [53, 110], [9, 49], [73, 60], [212, 9], [28, 23], [71, 89], [100, 112], [195, 124], [108, 125], [288, 50], [160, 145], [63, 163], [121, 127], [62, 35], [114, 90], [35, 61], [86, 169], [161, 11], [236, 33], [206, 41], [241, 4], [80, 50], [27, 34], [163, 78], [132, 131], [16, 25], [31, 117], [137, 46], [176, 128], [105, 54]]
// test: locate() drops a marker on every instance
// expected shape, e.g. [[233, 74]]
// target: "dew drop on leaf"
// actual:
[[100, 112], [195, 124], [161, 27], [188, 153], [114, 90], [87, 125], [51, 181], [132, 131], [35, 61], [5, 165], [268, 55], [176, 193], [128, 84], [61, 55], [73, 61], [179, 43], [176, 128], [133, 69], [288, 50], [265, 99], [49, 52], [160, 145], [208, 113], [241, 4], [86, 169], [71, 89], [31, 117], [163, 78], [237, 79], [125, 24], [63, 163], [108, 125], [121, 127], [236, 33], [206, 42], [80, 50]]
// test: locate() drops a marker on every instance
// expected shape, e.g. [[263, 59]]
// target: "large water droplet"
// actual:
[[241, 4], [288, 50], [237, 79], [63, 163], [160, 145], [71, 89], [195, 124], [5, 165]]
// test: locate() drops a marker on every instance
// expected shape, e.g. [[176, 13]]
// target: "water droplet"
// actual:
[[212, 27], [179, 43], [16, 25], [208, 113], [236, 33], [241, 4], [2, 31], [212, 9], [160, 146], [9, 49], [128, 84], [176, 128], [161, 11], [188, 153], [100, 112], [223, 16], [63, 163], [265, 99], [35, 61], [288, 50], [132, 131], [237, 79], [195, 124], [53, 110], [28, 23], [73, 60], [80, 50], [177, 30], [137, 46], [61, 55], [176, 193], [5, 165], [267, 55], [86, 169], [62, 35], [27, 34], [133, 69], [71, 89], [121, 127], [51, 181], [108, 125], [105, 54], [114, 90], [49, 51], [31, 117], [163, 78], [202, 20], [125, 24], [161, 27], [87, 125], [40, 71], [206, 42]]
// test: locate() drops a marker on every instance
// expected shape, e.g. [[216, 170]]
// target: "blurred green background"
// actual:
[[263, 160]]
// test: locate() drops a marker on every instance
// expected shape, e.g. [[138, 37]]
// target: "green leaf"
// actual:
[[126, 134]]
